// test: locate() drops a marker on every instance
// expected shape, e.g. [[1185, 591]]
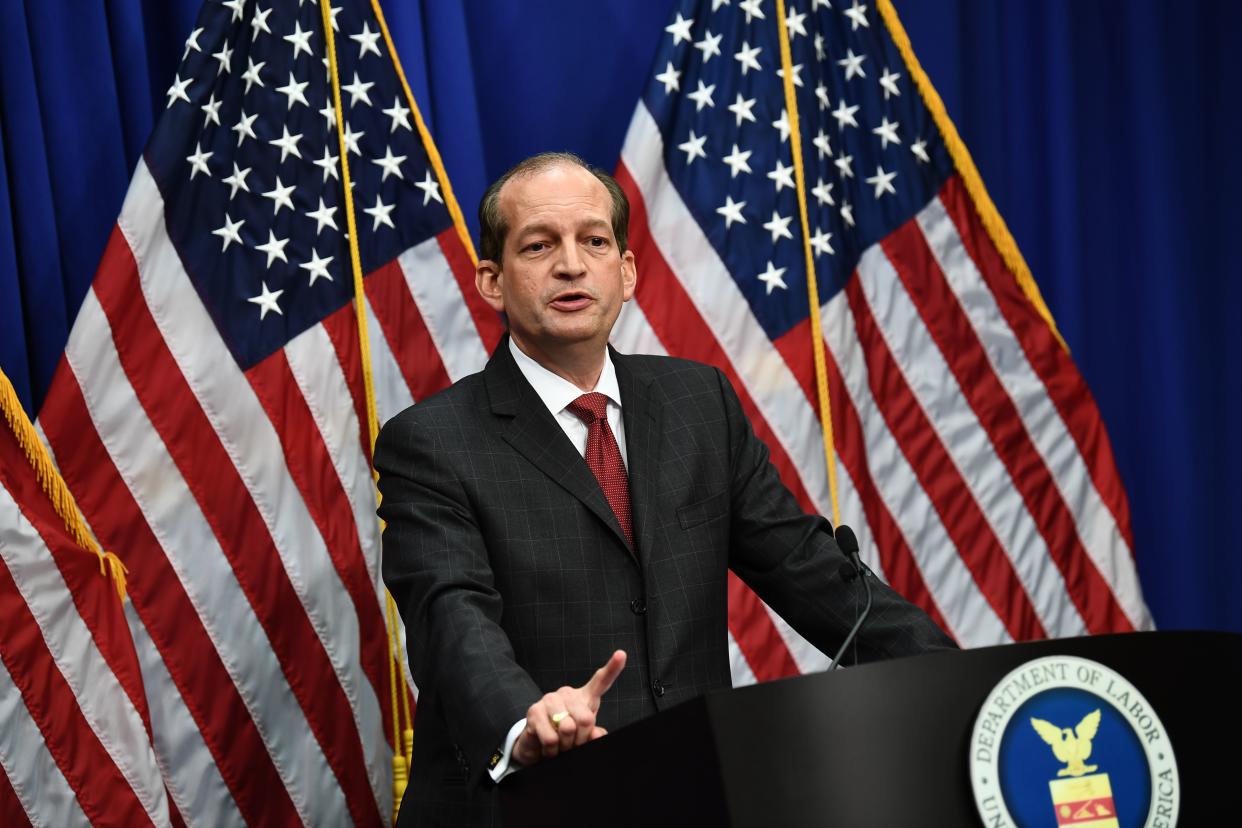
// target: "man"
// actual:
[[560, 526]]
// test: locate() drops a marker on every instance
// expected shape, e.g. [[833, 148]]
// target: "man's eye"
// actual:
[[597, 241], [536, 247]]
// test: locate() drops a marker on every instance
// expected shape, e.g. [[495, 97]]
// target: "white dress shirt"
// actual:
[[557, 393]]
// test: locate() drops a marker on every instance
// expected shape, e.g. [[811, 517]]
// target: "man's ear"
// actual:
[[487, 282], [629, 275]]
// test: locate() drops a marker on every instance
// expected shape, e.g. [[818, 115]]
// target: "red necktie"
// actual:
[[604, 457]]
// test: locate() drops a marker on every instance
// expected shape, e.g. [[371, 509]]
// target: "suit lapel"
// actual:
[[641, 414], [533, 432]]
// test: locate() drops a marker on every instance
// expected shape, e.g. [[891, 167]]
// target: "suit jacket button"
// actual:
[[638, 606], [657, 687]]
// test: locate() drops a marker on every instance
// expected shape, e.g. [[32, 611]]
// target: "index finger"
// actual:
[[603, 678]]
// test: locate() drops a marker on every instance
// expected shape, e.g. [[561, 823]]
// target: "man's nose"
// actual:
[[571, 264]]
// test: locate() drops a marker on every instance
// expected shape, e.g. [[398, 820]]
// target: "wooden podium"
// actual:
[[883, 744]]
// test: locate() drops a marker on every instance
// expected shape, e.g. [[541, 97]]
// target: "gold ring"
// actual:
[[557, 718]]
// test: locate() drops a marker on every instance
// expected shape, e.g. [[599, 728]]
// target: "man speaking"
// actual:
[[560, 526]]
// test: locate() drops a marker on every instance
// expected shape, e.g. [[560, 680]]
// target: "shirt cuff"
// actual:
[[502, 766]]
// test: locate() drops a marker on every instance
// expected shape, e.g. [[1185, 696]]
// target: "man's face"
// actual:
[[561, 280]]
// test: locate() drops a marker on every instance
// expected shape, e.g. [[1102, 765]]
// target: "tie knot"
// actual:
[[590, 407]]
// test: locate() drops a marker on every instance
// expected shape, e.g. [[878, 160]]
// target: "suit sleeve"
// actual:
[[436, 565], [789, 558]]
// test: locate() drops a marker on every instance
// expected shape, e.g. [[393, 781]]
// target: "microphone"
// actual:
[[849, 545]]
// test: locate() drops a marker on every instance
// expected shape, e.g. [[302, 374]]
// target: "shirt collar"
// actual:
[[555, 391]]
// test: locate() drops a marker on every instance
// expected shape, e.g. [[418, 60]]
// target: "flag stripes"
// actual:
[[955, 463]]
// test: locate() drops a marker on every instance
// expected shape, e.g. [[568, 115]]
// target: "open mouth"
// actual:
[[571, 301]]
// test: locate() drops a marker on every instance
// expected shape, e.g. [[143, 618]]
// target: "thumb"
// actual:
[[604, 677]]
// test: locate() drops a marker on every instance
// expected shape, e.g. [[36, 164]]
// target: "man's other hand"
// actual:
[[565, 718]]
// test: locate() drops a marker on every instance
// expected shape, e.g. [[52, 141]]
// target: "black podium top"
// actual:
[[881, 744]]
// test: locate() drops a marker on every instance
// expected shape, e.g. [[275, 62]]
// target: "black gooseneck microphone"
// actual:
[[849, 545]]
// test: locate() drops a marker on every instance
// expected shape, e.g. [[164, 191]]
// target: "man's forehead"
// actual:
[[558, 184]]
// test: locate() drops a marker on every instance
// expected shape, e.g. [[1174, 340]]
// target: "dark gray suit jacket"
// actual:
[[514, 578]]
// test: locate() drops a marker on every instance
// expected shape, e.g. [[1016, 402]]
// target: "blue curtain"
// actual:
[[1105, 130]]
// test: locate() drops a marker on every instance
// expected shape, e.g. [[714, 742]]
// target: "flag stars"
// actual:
[[821, 92], [822, 191], [329, 114], [258, 23], [328, 164], [778, 226], [280, 196], [293, 91], [274, 248], [882, 181], [781, 124], [212, 111], [738, 161], [820, 141], [852, 64], [693, 147], [702, 96], [845, 115], [390, 163], [237, 181], [773, 278], [887, 132], [680, 29], [251, 75], [334, 11], [671, 79], [748, 57], [317, 267], [244, 127], [821, 243], [300, 40], [847, 213], [229, 232], [225, 57], [732, 211], [857, 14], [751, 7], [287, 143], [888, 81], [351, 140], [237, 6], [267, 301], [358, 91], [176, 92], [709, 45], [844, 166], [400, 115], [797, 74], [919, 148], [820, 52], [366, 40], [742, 109], [430, 188], [191, 43], [795, 24], [782, 176], [198, 161], [324, 217], [382, 213]]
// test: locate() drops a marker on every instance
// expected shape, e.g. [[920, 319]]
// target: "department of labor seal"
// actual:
[[1066, 741]]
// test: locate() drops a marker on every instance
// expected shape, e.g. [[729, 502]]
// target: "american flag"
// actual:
[[209, 413], [75, 744], [967, 447]]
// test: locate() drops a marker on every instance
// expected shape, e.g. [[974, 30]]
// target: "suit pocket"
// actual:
[[692, 514]]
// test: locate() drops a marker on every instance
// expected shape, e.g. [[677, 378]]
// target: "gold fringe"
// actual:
[[995, 226], [54, 487]]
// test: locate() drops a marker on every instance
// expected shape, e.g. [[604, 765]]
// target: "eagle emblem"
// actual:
[[1073, 747]]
